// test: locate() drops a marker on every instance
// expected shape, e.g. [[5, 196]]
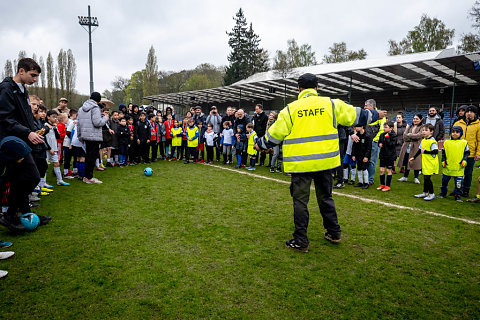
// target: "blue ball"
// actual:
[[148, 172], [30, 221]]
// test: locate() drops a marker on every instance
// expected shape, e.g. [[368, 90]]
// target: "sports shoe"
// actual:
[[476, 199], [387, 188], [339, 185], [242, 166], [202, 161], [68, 177], [33, 198], [63, 183], [458, 199], [237, 167], [402, 179], [441, 196], [416, 181], [421, 195], [351, 182], [95, 180], [332, 237], [293, 244], [12, 223], [6, 255], [5, 244], [44, 193], [358, 185], [430, 197], [381, 187], [102, 165], [366, 185], [3, 273], [45, 189], [279, 170], [251, 168], [272, 170], [48, 186], [109, 164], [465, 194], [100, 169], [44, 220]]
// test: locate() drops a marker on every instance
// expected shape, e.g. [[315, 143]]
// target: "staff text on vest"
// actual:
[[310, 112]]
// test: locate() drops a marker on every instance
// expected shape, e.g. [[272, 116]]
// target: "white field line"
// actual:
[[386, 204]]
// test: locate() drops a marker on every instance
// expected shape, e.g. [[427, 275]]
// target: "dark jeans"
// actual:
[[339, 170], [191, 151], [457, 189], [300, 192], [467, 183], [161, 148], [23, 178], [154, 147], [210, 153], [67, 156], [92, 154], [144, 151]]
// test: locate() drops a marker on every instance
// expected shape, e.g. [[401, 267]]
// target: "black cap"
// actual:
[[472, 108], [307, 80], [95, 96]]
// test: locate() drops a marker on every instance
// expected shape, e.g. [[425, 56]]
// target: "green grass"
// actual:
[[194, 241]]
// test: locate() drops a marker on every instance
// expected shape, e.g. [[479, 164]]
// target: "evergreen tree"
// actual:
[[8, 70], [246, 57]]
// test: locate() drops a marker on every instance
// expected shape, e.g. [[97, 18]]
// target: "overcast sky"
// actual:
[[188, 33]]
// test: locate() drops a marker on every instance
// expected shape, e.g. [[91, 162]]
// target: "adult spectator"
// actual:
[[307, 128], [229, 116], [168, 111], [436, 121], [241, 119], [260, 120], [215, 119], [62, 106], [199, 116], [16, 119], [399, 127], [460, 114], [412, 137], [471, 133], [89, 129], [123, 109], [374, 129]]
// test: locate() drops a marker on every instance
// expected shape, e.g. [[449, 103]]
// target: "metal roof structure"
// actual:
[[435, 69]]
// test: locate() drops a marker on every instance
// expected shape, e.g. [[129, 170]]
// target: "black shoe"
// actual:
[[339, 185], [466, 194], [109, 164], [332, 237], [272, 170], [452, 194], [293, 244], [366, 185], [279, 169], [261, 164], [358, 185], [442, 195], [351, 182], [34, 204], [186, 162], [44, 220], [12, 224]]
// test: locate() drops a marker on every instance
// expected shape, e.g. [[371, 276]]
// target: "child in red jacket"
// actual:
[[62, 132]]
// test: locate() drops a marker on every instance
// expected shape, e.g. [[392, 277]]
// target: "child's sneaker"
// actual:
[[201, 161], [6, 255], [402, 179], [387, 188], [381, 187], [416, 181], [293, 244], [237, 167], [44, 193], [62, 183], [242, 166], [421, 195], [476, 199], [430, 197], [251, 168], [95, 180], [442, 195], [3, 273], [458, 199], [351, 183], [279, 170], [47, 189], [102, 165], [5, 244], [100, 168], [272, 170]]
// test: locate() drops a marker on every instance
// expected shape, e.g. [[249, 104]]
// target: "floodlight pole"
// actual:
[[89, 21]]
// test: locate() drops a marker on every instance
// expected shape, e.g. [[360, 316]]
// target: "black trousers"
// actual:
[[210, 153], [343, 149], [191, 151], [67, 156], [154, 147], [161, 148], [92, 154], [300, 192], [144, 151], [42, 165], [23, 178]]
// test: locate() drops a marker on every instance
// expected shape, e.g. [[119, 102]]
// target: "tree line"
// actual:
[[57, 80], [247, 57]]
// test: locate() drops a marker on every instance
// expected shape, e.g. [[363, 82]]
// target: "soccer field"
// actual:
[[199, 241]]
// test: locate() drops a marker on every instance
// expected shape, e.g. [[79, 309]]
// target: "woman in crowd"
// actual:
[[412, 137], [399, 128]]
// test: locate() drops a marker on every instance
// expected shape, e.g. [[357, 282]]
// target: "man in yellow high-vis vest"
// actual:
[[308, 129]]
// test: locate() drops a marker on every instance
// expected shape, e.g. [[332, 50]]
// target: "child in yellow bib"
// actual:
[[454, 161], [252, 139], [429, 151], [176, 135], [192, 137]]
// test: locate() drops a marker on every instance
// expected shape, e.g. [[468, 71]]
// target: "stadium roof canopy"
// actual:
[[435, 69]]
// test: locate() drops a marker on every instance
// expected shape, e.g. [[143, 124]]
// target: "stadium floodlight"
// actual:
[[89, 22]]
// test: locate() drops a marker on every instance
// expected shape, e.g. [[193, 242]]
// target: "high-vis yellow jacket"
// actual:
[[308, 129]]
